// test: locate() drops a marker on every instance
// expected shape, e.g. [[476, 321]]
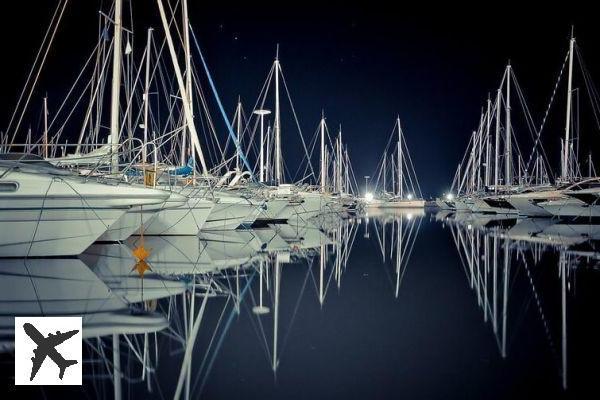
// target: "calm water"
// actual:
[[408, 305]]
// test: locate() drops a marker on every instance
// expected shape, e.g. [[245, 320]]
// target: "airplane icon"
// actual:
[[46, 348]]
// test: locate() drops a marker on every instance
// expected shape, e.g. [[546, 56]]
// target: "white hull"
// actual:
[[397, 204], [461, 205], [187, 219], [55, 232], [127, 225], [570, 208], [276, 209], [230, 213], [444, 205], [44, 214], [526, 207], [312, 204], [135, 220], [481, 206]]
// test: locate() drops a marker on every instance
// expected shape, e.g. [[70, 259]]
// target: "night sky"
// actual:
[[434, 66]]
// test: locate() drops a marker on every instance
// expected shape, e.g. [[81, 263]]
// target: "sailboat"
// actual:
[[47, 211], [405, 192]]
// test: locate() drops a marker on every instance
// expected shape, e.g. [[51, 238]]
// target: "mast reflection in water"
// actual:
[[430, 306]]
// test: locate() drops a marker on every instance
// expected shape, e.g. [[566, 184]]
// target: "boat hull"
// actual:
[[231, 213], [398, 204], [184, 220], [571, 208]]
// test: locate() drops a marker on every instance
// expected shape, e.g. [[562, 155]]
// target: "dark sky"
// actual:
[[363, 64]]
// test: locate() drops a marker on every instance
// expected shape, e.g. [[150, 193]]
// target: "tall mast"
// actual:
[[508, 160], [488, 121], [497, 144], [323, 166], [565, 157], [147, 95], [261, 113], [277, 123], [400, 183], [116, 86], [188, 76], [479, 150], [238, 132], [45, 152], [188, 84], [473, 159], [384, 171], [268, 171], [262, 149], [339, 161], [187, 110], [347, 172]]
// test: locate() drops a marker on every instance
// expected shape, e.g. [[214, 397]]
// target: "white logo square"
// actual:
[[48, 350]]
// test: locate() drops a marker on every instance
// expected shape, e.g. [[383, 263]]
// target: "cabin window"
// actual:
[[7, 187]]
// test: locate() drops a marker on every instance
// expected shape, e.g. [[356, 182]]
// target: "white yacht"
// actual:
[[405, 192], [46, 211], [580, 199]]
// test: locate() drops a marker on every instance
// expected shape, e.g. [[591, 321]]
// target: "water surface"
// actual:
[[382, 306]]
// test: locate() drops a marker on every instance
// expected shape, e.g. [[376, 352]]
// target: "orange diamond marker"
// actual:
[[141, 267], [141, 253]]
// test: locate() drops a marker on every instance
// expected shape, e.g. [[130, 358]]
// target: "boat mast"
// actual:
[[488, 121], [497, 146], [565, 157], [400, 183], [261, 113], [262, 148], [268, 170], [147, 96], [182, 88], [323, 166], [238, 113], [481, 149], [473, 158], [45, 152], [116, 86], [384, 172], [277, 123], [508, 161], [188, 79], [339, 161], [347, 172]]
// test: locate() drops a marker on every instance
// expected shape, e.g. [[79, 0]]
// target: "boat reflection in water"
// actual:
[[495, 251], [131, 307], [396, 231], [168, 316]]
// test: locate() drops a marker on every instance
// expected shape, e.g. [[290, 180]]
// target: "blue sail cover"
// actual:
[[186, 170]]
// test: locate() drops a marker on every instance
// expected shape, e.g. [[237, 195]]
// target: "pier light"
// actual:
[[368, 197], [409, 196], [449, 196]]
